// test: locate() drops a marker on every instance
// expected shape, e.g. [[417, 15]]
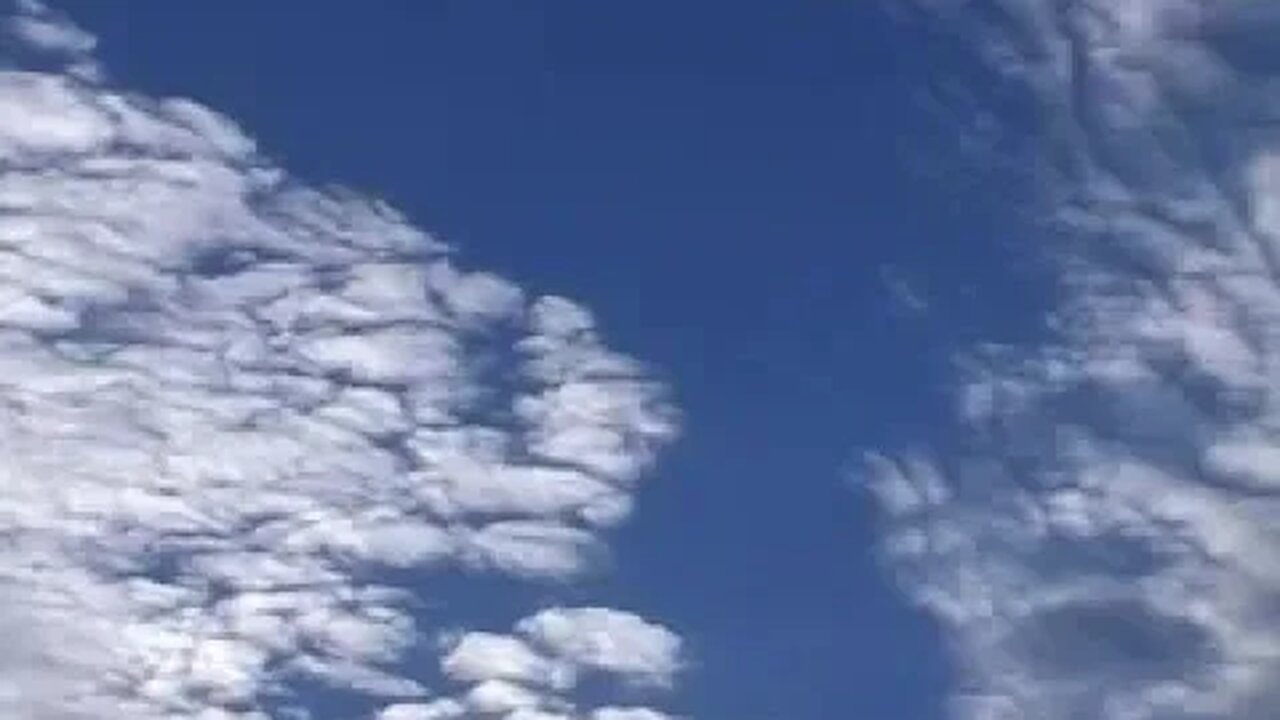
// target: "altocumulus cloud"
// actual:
[[1105, 541], [234, 403]]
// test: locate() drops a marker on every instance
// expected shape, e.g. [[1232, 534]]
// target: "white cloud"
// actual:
[[1105, 543], [481, 656], [607, 640], [555, 646], [536, 668], [629, 713], [531, 714], [530, 548], [446, 709], [493, 697], [231, 402]]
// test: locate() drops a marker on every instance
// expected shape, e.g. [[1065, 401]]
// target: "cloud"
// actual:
[[233, 404], [630, 713], [531, 673], [41, 31], [607, 641], [905, 297], [557, 645], [1103, 541]]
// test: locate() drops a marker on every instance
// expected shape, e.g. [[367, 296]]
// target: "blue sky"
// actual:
[[802, 219], [725, 187]]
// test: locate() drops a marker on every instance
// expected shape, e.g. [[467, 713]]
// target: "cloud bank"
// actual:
[[235, 405], [1105, 540]]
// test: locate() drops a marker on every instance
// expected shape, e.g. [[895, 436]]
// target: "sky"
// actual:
[[627, 361]]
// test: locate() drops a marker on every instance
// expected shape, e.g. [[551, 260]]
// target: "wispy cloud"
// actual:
[[36, 30], [233, 402], [1105, 541]]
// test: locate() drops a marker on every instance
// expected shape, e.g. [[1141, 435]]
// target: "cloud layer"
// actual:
[[233, 403], [1105, 540]]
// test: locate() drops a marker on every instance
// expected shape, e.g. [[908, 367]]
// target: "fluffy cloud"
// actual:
[[530, 674], [481, 656], [608, 641], [557, 645], [1105, 541], [233, 402]]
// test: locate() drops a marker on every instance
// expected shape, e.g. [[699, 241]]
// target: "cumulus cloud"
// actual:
[[1105, 540], [608, 641], [233, 402], [531, 672], [557, 645]]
